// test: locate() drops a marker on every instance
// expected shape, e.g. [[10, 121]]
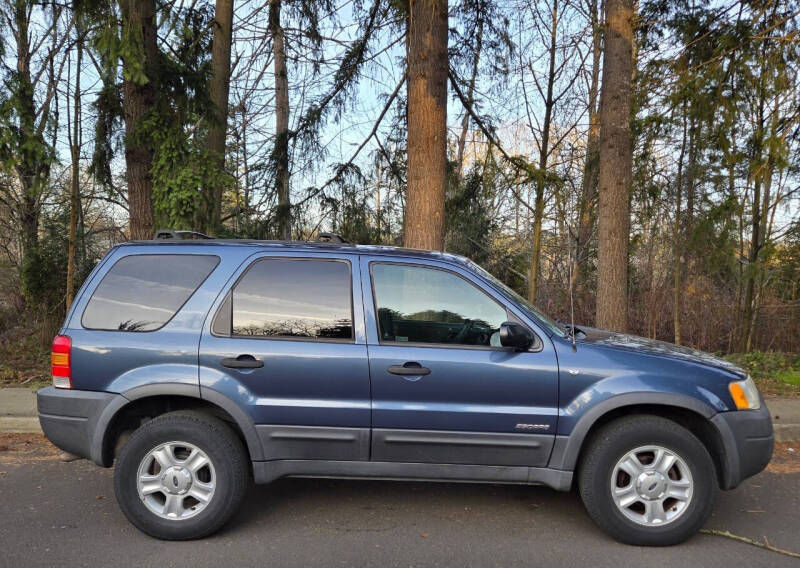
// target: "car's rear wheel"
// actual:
[[646, 480], [181, 476]]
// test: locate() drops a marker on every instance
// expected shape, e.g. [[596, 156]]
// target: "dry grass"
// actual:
[[20, 448], [785, 458]]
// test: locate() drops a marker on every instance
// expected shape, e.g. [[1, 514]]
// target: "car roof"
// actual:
[[306, 246]]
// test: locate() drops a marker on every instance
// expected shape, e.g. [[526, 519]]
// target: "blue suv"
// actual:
[[198, 365]]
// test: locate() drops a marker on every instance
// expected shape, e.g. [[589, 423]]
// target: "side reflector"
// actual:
[[60, 361]]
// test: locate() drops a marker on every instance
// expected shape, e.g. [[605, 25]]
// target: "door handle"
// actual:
[[242, 362], [409, 369]]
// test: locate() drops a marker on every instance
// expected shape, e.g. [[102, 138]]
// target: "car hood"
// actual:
[[653, 347]]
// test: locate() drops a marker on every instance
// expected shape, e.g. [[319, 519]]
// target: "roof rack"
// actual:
[[170, 234], [164, 234], [331, 238]]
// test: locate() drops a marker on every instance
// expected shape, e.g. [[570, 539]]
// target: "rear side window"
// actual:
[[293, 298], [143, 292]]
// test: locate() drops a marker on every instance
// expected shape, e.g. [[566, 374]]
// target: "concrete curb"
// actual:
[[18, 411], [787, 432], [20, 425], [18, 414], [785, 418]]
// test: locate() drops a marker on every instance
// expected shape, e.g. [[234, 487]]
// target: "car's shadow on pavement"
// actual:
[[494, 520]]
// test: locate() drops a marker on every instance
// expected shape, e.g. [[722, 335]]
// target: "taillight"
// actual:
[[61, 363]]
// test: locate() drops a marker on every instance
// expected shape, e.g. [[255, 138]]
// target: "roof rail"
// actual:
[[164, 234], [331, 238]]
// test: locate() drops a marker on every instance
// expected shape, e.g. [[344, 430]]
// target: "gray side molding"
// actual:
[[567, 448], [282, 441], [266, 472], [459, 447]]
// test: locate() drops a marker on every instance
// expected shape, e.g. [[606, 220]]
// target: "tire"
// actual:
[[648, 515], [203, 486]]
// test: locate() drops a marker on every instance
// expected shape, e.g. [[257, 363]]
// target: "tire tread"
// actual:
[[209, 428], [611, 439]]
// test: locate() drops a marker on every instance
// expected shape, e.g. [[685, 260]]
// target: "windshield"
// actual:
[[526, 306]]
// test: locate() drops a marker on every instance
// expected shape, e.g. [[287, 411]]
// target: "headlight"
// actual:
[[745, 394]]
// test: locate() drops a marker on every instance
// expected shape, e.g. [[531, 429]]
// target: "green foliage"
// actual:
[[335, 100], [44, 270], [789, 376], [108, 106], [713, 239], [776, 373], [181, 167], [173, 129], [354, 219], [468, 216], [22, 144]]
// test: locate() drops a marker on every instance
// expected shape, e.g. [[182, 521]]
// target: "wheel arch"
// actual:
[[686, 411], [145, 403]]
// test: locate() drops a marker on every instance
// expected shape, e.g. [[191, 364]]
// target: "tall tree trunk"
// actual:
[[462, 139], [378, 201], [755, 225], [614, 175], [749, 273], [32, 170], [677, 250], [426, 56], [544, 152], [766, 226], [281, 151], [74, 197], [589, 180], [220, 87], [139, 100]]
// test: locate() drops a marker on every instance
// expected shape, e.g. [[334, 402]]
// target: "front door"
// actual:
[[287, 344], [443, 389]]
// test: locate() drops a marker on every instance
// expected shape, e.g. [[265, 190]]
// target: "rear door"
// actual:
[[287, 344], [443, 389]]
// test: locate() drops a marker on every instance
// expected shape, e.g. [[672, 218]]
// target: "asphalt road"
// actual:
[[65, 514]]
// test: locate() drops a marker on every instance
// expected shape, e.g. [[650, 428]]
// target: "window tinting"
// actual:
[[143, 292], [294, 298], [425, 305]]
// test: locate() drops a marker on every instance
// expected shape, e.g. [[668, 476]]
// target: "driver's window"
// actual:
[[425, 305]]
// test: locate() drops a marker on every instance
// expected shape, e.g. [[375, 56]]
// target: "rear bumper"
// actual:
[[76, 421], [747, 439]]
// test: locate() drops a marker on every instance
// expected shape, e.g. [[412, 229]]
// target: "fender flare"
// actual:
[[122, 400], [567, 448]]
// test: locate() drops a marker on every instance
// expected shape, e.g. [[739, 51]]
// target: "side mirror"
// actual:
[[515, 335]]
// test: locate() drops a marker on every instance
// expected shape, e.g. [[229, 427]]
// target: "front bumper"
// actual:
[[747, 442], [76, 421]]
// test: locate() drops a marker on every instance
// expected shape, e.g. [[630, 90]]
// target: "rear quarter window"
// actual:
[[143, 292]]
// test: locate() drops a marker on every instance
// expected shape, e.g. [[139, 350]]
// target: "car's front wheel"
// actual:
[[181, 476], [646, 480]]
